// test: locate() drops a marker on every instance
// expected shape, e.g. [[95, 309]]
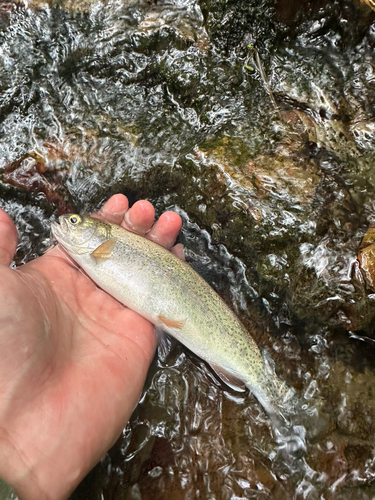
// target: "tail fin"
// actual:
[[277, 398]]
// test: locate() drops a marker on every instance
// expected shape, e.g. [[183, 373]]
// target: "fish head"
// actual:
[[80, 234]]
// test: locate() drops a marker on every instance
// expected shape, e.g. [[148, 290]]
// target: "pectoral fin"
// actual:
[[104, 251], [171, 323]]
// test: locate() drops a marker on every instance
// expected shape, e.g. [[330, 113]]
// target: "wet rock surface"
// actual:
[[255, 122]]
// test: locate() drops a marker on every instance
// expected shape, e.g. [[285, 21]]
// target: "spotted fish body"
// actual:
[[165, 290]]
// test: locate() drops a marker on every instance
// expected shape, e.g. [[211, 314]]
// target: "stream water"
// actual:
[[254, 120]]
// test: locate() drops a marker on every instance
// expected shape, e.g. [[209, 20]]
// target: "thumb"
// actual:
[[8, 239]]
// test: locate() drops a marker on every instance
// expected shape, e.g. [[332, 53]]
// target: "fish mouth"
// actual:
[[63, 234], [59, 230], [57, 233]]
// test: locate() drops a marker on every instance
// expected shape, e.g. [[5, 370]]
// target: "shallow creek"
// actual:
[[254, 120]]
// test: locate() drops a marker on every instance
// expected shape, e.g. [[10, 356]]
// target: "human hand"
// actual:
[[73, 360]]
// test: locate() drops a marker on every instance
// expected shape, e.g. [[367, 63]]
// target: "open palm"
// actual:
[[73, 360]]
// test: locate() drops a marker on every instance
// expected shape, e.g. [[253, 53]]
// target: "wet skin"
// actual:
[[73, 360]]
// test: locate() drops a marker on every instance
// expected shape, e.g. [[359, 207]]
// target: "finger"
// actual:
[[140, 217], [8, 238], [178, 250], [114, 209], [166, 229]]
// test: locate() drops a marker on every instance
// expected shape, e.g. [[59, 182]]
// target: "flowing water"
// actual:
[[254, 120]]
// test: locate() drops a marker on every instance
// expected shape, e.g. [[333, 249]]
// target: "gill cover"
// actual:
[[80, 234]]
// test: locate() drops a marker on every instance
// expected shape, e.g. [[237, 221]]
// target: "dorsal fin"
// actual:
[[104, 251]]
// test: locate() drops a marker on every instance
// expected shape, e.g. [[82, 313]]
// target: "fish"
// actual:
[[165, 290]]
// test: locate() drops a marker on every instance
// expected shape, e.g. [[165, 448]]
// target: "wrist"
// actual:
[[15, 475], [31, 476], [6, 491]]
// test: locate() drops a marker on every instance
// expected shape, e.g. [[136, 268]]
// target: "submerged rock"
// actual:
[[79, 6], [371, 3], [32, 175], [366, 258]]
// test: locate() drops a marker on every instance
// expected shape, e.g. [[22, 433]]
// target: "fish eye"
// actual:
[[74, 219]]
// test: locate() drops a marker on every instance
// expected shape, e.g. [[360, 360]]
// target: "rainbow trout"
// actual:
[[149, 279]]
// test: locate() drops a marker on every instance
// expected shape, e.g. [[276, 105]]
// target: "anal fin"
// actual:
[[228, 378]]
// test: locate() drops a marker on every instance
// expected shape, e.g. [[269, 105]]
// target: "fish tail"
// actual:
[[274, 394]]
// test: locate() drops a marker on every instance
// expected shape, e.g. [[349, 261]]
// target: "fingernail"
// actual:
[[127, 219], [133, 227]]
